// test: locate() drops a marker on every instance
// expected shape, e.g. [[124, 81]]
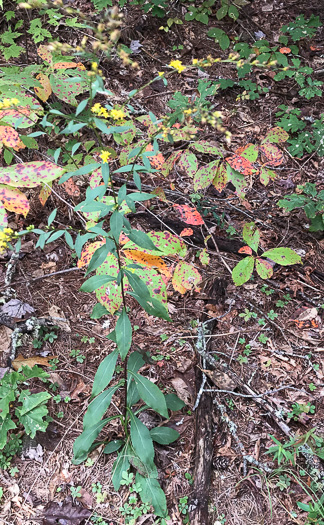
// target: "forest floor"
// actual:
[[268, 332]]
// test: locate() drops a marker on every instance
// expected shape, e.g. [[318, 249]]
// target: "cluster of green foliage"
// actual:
[[311, 201]]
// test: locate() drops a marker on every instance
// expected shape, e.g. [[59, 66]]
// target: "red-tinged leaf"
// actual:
[[185, 277], [68, 65], [221, 178], [203, 146], [3, 216], [154, 281], [177, 125], [110, 294], [243, 271], [45, 193], [95, 179], [276, 135], [152, 261], [205, 175], [285, 50], [43, 92], [167, 244], [71, 188], [189, 215], [185, 133], [159, 192], [87, 253], [240, 164], [188, 163], [264, 268], [204, 257], [156, 161], [30, 174], [14, 200], [45, 54], [273, 154], [19, 146], [9, 137], [66, 90], [237, 179], [152, 128], [186, 232], [123, 239], [25, 115], [124, 152], [126, 137], [251, 235], [283, 256], [169, 163], [266, 175], [245, 249], [248, 152]]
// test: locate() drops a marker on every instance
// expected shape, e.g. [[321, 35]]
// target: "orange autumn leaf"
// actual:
[[45, 193], [123, 239], [45, 91], [31, 361], [156, 161], [69, 65], [189, 215], [186, 232], [10, 137], [152, 261], [240, 164], [14, 200], [71, 188], [285, 50], [245, 249]]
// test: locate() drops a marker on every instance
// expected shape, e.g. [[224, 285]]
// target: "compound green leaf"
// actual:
[[251, 235], [276, 135], [266, 175]]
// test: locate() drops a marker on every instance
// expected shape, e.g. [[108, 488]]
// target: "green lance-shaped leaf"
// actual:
[[142, 443], [104, 373], [98, 407], [135, 362], [113, 446], [123, 334], [95, 282], [121, 464], [283, 256], [243, 271], [264, 268], [142, 240], [150, 394], [173, 402], [152, 494], [164, 435], [5, 425], [84, 441], [33, 411]]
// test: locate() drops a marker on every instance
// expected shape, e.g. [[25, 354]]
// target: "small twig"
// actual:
[[254, 396]]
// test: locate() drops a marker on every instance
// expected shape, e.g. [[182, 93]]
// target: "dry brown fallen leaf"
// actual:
[[55, 312], [220, 379], [31, 361], [5, 341]]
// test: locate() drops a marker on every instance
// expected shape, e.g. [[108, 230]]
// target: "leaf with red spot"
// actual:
[[9, 137], [264, 268], [205, 175], [204, 257], [71, 188], [154, 281], [152, 128], [3, 216], [283, 256], [273, 154], [169, 163], [185, 277], [167, 243], [45, 91], [87, 253], [203, 146], [95, 179], [66, 90], [266, 175], [237, 179], [240, 164], [14, 200], [157, 160], [30, 174], [24, 116], [243, 270], [185, 133], [276, 135], [189, 215], [126, 137], [186, 232], [110, 294], [45, 54], [188, 163], [146, 259], [248, 152], [159, 192], [124, 152], [45, 193], [68, 65], [221, 178], [251, 235], [246, 250]]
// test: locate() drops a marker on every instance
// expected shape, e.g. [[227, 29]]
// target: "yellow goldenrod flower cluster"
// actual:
[[205, 62], [177, 64], [5, 236], [117, 114], [8, 102], [105, 156], [99, 110]]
